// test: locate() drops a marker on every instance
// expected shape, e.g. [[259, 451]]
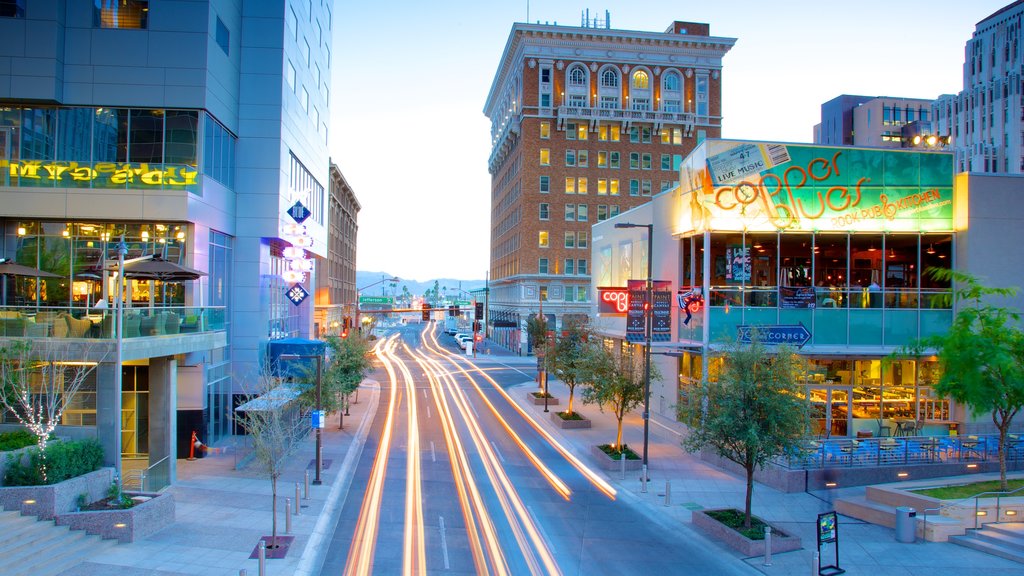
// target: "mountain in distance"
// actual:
[[416, 287]]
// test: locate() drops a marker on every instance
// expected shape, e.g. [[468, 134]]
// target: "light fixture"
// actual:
[[303, 241], [971, 466], [293, 276], [830, 484], [21, 230], [981, 513], [902, 475], [180, 235], [1011, 512], [892, 253], [66, 233], [871, 247], [145, 235], [930, 250], [301, 264], [294, 252]]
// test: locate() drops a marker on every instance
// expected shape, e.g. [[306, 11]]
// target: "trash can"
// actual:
[[906, 524]]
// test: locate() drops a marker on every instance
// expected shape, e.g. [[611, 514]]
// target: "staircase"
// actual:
[[41, 548], [1005, 540]]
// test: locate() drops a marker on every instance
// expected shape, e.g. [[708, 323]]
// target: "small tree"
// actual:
[[567, 357], [37, 384], [981, 356], [270, 429], [754, 409], [616, 382], [537, 333], [350, 363]]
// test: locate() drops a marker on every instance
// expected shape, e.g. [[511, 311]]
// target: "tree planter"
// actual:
[[125, 524], [607, 462], [46, 502], [570, 424], [538, 399], [781, 542]]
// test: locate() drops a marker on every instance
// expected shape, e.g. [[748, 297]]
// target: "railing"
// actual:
[[95, 323], [872, 452], [829, 298], [959, 504], [154, 478], [621, 114]]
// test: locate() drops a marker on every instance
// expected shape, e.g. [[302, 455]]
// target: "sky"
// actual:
[[410, 80]]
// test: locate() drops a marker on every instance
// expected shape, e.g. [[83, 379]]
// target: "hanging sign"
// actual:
[[298, 212], [297, 294]]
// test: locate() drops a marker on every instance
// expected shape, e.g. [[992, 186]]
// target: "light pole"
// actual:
[[647, 341], [319, 406], [122, 251], [359, 326]]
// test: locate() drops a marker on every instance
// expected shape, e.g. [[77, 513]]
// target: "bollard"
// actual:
[[668, 492], [767, 545], [643, 479], [288, 515], [815, 563], [296, 498], [622, 464], [307, 484], [261, 556], [242, 572]]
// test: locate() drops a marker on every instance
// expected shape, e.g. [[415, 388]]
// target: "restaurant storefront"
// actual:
[[834, 244]]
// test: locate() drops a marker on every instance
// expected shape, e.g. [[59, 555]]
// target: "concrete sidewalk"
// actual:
[[695, 485], [222, 512]]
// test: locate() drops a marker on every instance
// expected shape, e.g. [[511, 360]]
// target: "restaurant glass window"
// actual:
[[795, 257], [730, 268], [146, 138], [180, 136], [762, 285], [931, 406], [936, 252], [830, 270], [866, 270], [74, 134], [110, 135], [901, 270], [38, 133]]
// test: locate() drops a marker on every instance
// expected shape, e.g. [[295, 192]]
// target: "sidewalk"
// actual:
[[695, 485], [221, 513]]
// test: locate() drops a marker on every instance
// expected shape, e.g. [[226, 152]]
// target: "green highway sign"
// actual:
[[376, 300], [462, 303]]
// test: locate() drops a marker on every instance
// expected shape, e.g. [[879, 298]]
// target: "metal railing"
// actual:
[[153, 478], [872, 452], [960, 504]]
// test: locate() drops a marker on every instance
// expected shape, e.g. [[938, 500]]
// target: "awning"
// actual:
[[294, 367]]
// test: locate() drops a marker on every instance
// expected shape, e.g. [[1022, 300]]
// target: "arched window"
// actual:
[[640, 90], [577, 90], [671, 92], [609, 93], [610, 78], [641, 81], [577, 77], [670, 82]]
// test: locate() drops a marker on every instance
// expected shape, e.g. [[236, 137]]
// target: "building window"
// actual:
[[542, 239], [131, 14], [545, 210], [634, 160], [646, 163], [223, 36], [581, 185], [634, 187], [610, 133], [568, 270], [602, 159], [570, 212], [582, 158], [581, 132], [12, 8], [545, 100], [545, 184], [545, 157], [610, 78], [545, 130], [570, 157], [613, 160], [613, 210], [289, 74], [305, 51], [613, 186], [666, 161], [570, 185], [634, 134], [581, 239], [304, 99], [218, 152], [542, 265], [702, 95], [581, 267], [581, 213], [570, 239], [577, 76], [602, 212], [294, 23], [645, 188], [602, 186], [570, 131]]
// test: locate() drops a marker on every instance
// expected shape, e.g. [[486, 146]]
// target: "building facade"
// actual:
[[586, 123], [985, 120], [336, 282], [189, 129], [881, 122], [823, 247]]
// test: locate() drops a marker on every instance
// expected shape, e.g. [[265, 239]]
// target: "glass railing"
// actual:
[[810, 297], [64, 322]]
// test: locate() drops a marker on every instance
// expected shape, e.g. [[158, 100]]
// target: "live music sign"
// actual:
[[613, 301]]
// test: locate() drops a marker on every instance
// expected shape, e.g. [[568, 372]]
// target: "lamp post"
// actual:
[[647, 342], [319, 405]]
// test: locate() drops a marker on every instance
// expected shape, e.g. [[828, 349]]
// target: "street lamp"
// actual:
[[647, 341], [319, 405]]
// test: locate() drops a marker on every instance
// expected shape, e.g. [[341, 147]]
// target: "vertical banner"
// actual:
[[661, 311], [635, 315]]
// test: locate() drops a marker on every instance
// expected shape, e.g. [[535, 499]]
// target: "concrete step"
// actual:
[[36, 540], [937, 528], [990, 542], [73, 549], [1009, 535]]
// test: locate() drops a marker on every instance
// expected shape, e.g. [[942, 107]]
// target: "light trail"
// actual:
[[361, 551], [414, 559]]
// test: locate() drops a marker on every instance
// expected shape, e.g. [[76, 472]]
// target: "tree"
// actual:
[[981, 357], [37, 384], [266, 419], [755, 411], [616, 382], [567, 356], [350, 362]]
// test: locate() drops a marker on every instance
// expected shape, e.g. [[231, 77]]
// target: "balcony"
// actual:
[[656, 117], [147, 331]]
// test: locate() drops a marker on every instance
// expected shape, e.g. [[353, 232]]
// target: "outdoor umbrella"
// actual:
[[156, 268], [10, 268]]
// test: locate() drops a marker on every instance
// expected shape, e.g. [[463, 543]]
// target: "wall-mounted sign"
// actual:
[[774, 334], [100, 174], [612, 301], [690, 302]]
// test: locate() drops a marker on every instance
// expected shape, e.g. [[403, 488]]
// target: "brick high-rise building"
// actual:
[[586, 123]]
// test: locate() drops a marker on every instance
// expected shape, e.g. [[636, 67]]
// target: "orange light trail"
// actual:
[[414, 559]]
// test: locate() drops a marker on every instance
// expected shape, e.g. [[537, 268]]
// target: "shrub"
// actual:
[[16, 440], [63, 460]]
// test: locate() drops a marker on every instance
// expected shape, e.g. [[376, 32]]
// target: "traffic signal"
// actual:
[[453, 310], [478, 312], [476, 326], [344, 333], [426, 312]]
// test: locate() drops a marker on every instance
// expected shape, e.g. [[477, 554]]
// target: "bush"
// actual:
[[16, 440], [63, 460], [616, 453]]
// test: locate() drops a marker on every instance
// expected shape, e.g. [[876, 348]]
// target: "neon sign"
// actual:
[[102, 174], [613, 301]]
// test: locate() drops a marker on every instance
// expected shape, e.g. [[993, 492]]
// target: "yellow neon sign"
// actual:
[[102, 173]]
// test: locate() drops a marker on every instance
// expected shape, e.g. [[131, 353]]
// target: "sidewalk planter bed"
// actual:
[[538, 399], [577, 420], [152, 513], [47, 502], [611, 462], [781, 542]]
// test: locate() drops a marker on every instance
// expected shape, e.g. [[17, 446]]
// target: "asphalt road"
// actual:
[[454, 480]]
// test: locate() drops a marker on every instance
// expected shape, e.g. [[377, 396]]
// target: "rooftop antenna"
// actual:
[[527, 11]]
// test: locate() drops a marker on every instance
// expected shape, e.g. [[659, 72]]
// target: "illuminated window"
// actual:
[[602, 186], [545, 184], [582, 158], [131, 14], [641, 80], [545, 130], [602, 133], [602, 159], [545, 157], [581, 186], [614, 133], [613, 186], [570, 212], [666, 136], [581, 132], [12, 8], [542, 239], [570, 185]]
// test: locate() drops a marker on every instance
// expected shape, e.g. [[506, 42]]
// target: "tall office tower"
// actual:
[[586, 122], [189, 129], [985, 121]]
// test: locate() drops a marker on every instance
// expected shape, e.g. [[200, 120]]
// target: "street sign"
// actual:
[[376, 300], [775, 334], [298, 212], [297, 294], [317, 419]]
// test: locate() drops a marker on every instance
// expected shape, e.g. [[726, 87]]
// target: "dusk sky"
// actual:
[[410, 80]]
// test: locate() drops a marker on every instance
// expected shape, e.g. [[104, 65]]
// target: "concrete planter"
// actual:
[[606, 462], [569, 424], [781, 542], [125, 525], [539, 400], [47, 502]]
